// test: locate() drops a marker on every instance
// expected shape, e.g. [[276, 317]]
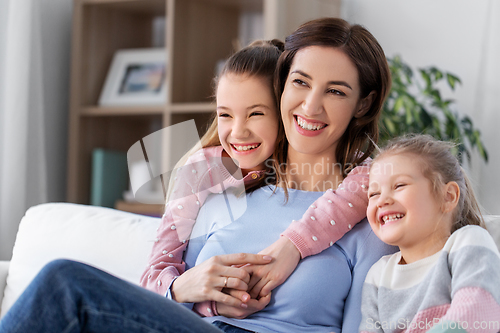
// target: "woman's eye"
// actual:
[[299, 82], [257, 113], [336, 92], [373, 194], [399, 185], [224, 115]]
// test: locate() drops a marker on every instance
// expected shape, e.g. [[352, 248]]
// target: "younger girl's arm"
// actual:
[[474, 261], [324, 223]]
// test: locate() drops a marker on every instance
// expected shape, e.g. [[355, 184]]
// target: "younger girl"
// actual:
[[445, 277], [246, 129]]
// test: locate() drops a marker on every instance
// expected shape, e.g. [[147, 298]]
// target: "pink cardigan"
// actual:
[[325, 222]]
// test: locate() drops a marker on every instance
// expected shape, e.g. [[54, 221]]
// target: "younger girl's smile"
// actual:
[[389, 217]]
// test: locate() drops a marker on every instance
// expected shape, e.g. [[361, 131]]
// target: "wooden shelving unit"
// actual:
[[198, 34]]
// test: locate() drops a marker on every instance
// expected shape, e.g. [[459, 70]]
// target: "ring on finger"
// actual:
[[225, 282]]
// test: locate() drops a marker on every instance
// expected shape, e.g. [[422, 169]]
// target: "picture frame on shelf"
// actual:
[[136, 77]]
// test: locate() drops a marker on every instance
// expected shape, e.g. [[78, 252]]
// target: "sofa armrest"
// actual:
[[4, 269]]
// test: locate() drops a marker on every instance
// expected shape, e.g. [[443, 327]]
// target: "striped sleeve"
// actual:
[[475, 267]]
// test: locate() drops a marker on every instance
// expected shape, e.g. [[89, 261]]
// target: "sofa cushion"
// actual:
[[115, 241], [493, 226]]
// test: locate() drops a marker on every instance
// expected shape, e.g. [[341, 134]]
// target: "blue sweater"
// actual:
[[324, 292]]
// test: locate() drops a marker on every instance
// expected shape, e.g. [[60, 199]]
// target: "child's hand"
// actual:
[[240, 312], [265, 278]]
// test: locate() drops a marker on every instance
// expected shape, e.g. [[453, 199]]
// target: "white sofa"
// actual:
[[115, 241]]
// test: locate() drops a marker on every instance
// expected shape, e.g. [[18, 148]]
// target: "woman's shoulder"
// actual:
[[362, 246]]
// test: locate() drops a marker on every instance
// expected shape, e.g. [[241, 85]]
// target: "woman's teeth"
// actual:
[[245, 148], [392, 217], [309, 126]]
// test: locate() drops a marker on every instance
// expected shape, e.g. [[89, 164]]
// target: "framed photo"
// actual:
[[136, 77]]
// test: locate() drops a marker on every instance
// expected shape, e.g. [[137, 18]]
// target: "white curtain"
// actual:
[[33, 115]]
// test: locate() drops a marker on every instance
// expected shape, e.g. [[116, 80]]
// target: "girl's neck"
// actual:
[[422, 250], [313, 172]]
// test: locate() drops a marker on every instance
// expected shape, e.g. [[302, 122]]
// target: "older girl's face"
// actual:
[[247, 119], [320, 97]]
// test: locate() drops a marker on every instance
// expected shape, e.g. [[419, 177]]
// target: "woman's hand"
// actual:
[[239, 312], [205, 281], [265, 278]]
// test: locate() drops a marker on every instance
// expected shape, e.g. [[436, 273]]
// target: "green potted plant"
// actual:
[[415, 105]]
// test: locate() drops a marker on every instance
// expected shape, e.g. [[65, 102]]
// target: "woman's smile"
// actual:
[[308, 127]]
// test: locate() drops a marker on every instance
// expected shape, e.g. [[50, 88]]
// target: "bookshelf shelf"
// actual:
[[197, 35]]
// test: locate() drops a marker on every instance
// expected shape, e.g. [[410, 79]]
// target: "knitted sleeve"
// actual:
[[202, 175], [332, 215], [475, 267], [165, 260]]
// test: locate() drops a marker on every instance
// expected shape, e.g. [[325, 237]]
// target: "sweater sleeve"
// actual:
[[203, 174], [165, 260], [194, 182], [475, 296], [333, 215]]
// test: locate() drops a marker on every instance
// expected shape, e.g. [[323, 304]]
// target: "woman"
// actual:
[[332, 81]]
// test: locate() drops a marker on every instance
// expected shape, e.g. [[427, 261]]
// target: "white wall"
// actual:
[[459, 36]]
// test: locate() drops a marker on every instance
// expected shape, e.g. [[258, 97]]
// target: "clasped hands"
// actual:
[[240, 284]]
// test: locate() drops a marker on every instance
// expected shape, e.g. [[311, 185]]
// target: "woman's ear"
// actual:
[[365, 104], [451, 196]]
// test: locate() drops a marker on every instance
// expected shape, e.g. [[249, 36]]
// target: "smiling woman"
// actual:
[[320, 97]]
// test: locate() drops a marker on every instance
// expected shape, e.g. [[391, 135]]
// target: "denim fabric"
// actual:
[[229, 328], [72, 297]]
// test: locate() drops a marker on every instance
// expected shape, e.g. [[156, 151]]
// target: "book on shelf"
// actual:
[[155, 210], [109, 177]]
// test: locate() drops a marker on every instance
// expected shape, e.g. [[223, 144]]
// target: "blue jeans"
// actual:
[[69, 297]]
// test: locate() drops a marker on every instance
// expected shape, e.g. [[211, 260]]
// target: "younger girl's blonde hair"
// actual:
[[440, 167]]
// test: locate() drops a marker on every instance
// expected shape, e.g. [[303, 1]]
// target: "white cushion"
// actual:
[[493, 226], [115, 241]]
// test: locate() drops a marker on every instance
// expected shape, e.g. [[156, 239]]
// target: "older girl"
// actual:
[[445, 277]]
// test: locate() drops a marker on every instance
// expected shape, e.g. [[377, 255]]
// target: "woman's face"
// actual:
[[320, 97], [247, 119]]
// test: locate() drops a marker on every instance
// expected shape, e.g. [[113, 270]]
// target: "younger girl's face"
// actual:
[[247, 119], [402, 208]]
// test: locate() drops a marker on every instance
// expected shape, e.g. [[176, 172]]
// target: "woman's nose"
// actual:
[[313, 103]]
